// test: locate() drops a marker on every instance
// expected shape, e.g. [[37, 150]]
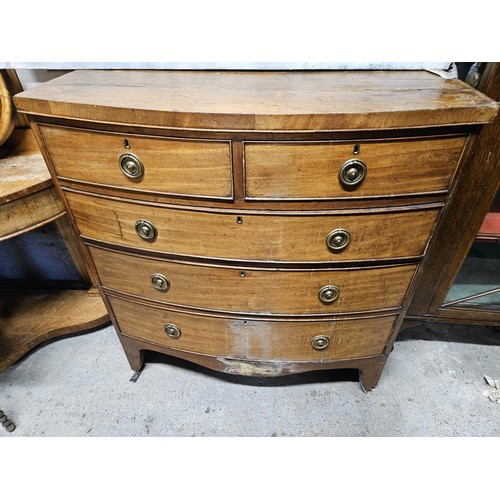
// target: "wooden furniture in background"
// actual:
[[465, 219], [490, 228], [7, 108], [258, 223], [28, 200]]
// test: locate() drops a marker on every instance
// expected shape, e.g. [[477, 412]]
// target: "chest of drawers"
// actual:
[[256, 223]]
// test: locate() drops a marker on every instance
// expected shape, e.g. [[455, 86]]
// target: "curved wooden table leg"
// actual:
[[370, 373]]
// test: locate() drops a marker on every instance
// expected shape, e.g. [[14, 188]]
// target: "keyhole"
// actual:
[[126, 144], [239, 220], [355, 151]]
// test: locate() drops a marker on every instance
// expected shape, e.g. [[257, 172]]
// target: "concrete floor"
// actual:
[[79, 386]]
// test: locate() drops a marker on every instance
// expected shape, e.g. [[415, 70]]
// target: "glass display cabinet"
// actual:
[[467, 289]]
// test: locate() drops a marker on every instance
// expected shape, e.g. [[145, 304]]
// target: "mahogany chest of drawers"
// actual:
[[257, 223]]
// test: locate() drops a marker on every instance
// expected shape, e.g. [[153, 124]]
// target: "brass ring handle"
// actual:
[[145, 229], [160, 282], [320, 342], [338, 239], [131, 166], [328, 294], [173, 331], [352, 173]]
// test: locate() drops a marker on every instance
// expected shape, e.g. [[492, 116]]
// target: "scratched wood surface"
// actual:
[[27, 196], [30, 317], [254, 291], [25, 214], [262, 149], [198, 168], [259, 237], [252, 339], [271, 100], [22, 168], [310, 170]]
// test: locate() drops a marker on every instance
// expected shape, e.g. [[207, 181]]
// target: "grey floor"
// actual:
[[79, 386]]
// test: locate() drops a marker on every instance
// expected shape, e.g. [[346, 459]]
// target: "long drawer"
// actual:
[[313, 170], [254, 291], [199, 168], [231, 337], [269, 237]]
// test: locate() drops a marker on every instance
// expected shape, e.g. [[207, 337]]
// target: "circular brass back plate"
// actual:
[[320, 342], [145, 229], [352, 173], [338, 240], [131, 166]]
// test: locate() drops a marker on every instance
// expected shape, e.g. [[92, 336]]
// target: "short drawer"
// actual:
[[256, 237], [253, 291], [158, 165], [232, 337], [331, 170]]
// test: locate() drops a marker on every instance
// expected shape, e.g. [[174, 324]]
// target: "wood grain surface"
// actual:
[[310, 170], [370, 367], [22, 169], [182, 167], [25, 214], [252, 339], [242, 187], [253, 291], [7, 108], [30, 317], [264, 237], [473, 193], [271, 100]]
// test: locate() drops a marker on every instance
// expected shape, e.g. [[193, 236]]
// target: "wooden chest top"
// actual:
[[261, 101]]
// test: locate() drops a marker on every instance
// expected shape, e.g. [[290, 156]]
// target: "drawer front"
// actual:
[[311, 170], [254, 339], [293, 238], [252, 290], [178, 167]]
